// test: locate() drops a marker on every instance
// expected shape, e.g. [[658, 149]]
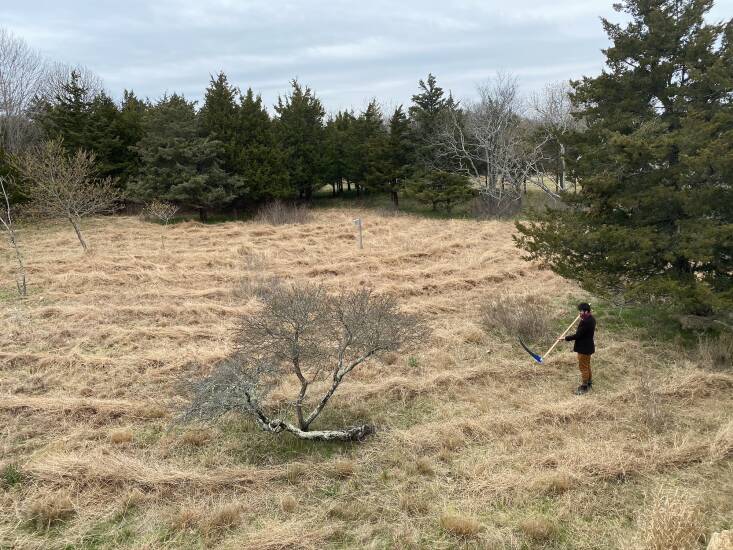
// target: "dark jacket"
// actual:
[[584, 336]]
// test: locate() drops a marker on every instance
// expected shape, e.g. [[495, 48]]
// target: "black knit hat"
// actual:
[[583, 306]]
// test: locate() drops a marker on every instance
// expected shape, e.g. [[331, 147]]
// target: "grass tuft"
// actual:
[[121, 436], [539, 528], [49, 510], [460, 525], [344, 468]]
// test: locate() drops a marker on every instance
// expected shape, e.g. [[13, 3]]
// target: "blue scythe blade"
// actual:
[[536, 357]]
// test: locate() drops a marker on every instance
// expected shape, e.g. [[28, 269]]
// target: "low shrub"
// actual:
[[527, 316], [281, 213], [716, 352]]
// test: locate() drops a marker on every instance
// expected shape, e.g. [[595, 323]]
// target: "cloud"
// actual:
[[346, 50]]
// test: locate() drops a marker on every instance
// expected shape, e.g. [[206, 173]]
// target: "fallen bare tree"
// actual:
[[64, 186], [303, 334], [8, 223]]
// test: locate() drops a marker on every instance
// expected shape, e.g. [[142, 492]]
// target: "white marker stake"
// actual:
[[357, 223]]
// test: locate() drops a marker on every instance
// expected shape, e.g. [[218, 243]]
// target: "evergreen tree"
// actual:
[[400, 154], [339, 150], [654, 217], [257, 159], [428, 113], [440, 188], [68, 117], [130, 130], [220, 118], [102, 136], [368, 166], [300, 134], [92, 123], [179, 165]]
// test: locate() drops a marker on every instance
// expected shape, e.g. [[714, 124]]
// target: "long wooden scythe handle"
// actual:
[[561, 336]]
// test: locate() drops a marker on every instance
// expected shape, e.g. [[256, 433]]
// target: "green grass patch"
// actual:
[[11, 475], [113, 532]]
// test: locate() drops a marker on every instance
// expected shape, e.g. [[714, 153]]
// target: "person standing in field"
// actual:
[[584, 346]]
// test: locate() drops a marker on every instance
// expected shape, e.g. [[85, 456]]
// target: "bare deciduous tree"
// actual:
[[65, 186], [8, 223], [492, 141], [163, 212], [23, 76], [553, 110], [312, 338]]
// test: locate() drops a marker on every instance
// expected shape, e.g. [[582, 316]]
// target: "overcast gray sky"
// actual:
[[347, 51]]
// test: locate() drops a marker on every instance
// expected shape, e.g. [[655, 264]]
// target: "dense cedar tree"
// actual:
[[178, 164], [301, 136], [654, 217]]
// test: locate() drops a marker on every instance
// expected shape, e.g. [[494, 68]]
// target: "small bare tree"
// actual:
[[312, 338], [163, 212], [8, 223], [63, 186]]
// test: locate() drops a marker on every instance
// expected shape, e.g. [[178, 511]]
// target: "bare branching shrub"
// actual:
[[281, 213], [7, 221], [161, 211], [716, 352], [671, 522], [526, 316], [63, 186], [303, 335]]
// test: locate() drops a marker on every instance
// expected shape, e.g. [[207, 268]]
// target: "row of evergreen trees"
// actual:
[[231, 153]]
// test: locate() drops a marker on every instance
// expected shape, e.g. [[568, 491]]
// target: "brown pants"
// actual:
[[584, 366]]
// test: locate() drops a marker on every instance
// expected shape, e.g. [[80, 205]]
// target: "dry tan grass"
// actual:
[[96, 352], [671, 522], [121, 436]]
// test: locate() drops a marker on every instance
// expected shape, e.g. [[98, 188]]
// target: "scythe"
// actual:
[[541, 358]]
